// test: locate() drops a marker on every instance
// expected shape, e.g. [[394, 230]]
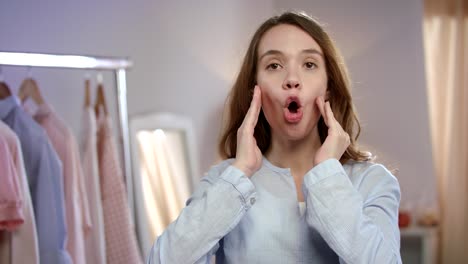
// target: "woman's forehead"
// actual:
[[286, 39]]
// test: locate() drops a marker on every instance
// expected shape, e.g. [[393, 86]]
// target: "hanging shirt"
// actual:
[[11, 213], [351, 216], [44, 171], [24, 239], [95, 242], [76, 202], [121, 244]]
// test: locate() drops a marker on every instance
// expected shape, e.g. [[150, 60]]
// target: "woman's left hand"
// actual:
[[337, 140]]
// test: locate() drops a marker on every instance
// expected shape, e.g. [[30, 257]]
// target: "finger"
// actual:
[[258, 103], [251, 116], [331, 117], [321, 107], [329, 113]]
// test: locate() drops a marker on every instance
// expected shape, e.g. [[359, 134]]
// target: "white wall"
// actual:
[[187, 53], [382, 44]]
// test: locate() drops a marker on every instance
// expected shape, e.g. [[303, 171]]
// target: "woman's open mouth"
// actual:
[[293, 110]]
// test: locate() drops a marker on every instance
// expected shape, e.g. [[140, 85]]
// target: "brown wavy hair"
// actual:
[[338, 89]]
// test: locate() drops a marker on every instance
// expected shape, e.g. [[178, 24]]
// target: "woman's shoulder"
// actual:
[[210, 177], [216, 170], [353, 167], [370, 175]]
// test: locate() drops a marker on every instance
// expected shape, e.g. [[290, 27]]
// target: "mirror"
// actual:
[[163, 171]]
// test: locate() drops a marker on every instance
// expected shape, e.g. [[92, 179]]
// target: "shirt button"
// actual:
[[252, 200]]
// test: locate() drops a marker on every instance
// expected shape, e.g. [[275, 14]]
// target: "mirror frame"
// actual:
[[153, 121]]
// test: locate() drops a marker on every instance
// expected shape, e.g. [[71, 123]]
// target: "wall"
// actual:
[[186, 55], [382, 44]]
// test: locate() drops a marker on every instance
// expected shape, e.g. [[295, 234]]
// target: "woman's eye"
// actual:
[[310, 65], [273, 66]]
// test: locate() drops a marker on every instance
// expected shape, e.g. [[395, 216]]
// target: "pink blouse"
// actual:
[[11, 213], [121, 244], [76, 202], [23, 239]]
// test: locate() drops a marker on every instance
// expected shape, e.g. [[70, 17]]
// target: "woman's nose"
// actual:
[[292, 84], [291, 81]]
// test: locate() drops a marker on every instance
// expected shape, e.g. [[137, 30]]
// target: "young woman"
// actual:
[[294, 187]]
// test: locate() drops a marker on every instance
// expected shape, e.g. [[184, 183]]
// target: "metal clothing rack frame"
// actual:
[[118, 65]]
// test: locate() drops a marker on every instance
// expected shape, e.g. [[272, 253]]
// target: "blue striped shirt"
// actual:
[[350, 215]]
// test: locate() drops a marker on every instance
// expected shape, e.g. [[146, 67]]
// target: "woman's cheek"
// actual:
[[261, 81], [268, 105], [267, 101]]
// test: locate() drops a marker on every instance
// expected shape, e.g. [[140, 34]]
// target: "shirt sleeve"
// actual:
[[360, 226], [11, 213], [215, 208]]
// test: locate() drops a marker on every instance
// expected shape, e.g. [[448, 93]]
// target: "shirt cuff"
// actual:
[[323, 170], [241, 183], [11, 216]]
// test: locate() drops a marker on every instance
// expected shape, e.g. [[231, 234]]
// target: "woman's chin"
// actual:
[[295, 133]]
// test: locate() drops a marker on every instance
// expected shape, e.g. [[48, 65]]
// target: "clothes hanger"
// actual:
[[100, 98], [4, 89], [30, 89], [87, 99]]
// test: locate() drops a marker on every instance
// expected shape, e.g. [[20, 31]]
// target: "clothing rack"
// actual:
[[118, 65]]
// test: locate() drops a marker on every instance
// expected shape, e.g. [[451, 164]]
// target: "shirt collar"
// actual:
[[276, 168], [7, 105]]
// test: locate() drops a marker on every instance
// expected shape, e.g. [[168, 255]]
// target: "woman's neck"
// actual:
[[297, 155]]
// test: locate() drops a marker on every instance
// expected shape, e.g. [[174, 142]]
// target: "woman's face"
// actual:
[[291, 74]]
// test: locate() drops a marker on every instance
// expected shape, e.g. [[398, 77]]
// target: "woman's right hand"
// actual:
[[248, 155]]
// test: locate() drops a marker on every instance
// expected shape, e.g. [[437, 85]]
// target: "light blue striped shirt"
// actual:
[[350, 216]]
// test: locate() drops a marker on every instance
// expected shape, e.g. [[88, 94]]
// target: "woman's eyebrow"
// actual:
[[277, 52], [270, 52], [312, 51]]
